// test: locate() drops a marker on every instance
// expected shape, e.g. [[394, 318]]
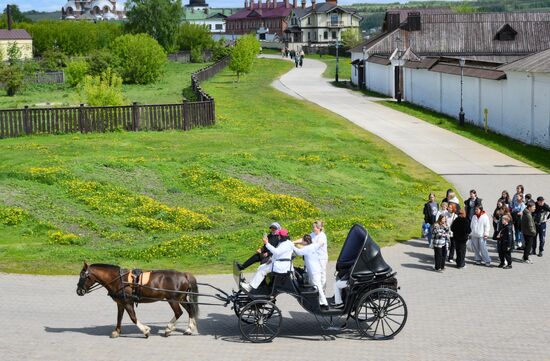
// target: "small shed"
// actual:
[[20, 37]]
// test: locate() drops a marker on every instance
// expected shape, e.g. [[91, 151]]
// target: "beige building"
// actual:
[[321, 24], [20, 37]]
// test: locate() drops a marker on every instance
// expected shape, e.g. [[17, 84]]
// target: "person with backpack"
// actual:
[[430, 211]]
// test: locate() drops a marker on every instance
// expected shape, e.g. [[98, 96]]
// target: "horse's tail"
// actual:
[[193, 296]]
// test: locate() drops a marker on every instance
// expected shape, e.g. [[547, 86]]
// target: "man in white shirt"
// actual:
[[281, 261]]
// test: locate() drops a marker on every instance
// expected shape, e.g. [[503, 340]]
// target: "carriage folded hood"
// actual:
[[361, 253]]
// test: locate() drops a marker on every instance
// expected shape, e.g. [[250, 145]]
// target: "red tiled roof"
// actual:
[[278, 12], [14, 34]]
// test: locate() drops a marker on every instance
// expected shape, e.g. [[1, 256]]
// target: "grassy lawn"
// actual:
[[536, 156], [344, 66], [197, 200], [166, 90]]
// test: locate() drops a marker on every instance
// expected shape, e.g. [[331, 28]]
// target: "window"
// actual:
[[262, 36], [309, 20], [334, 35], [325, 35], [506, 33], [308, 36], [219, 26], [334, 19]]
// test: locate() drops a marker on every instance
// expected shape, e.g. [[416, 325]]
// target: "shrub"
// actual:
[[99, 60], [139, 58], [102, 90], [71, 37], [76, 71], [63, 239], [12, 76], [193, 36], [196, 55], [220, 50], [54, 59], [12, 216]]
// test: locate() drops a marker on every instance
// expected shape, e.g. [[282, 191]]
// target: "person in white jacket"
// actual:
[[310, 252], [480, 229], [319, 238], [281, 261]]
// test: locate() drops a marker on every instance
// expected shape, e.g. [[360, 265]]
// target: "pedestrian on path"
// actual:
[[528, 230], [450, 219], [441, 236], [471, 203], [505, 242], [542, 214], [430, 210], [461, 230], [520, 189], [518, 209], [505, 198], [480, 226]]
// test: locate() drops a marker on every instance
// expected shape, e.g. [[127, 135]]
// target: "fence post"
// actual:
[[135, 117], [81, 118], [186, 122], [28, 127], [213, 110]]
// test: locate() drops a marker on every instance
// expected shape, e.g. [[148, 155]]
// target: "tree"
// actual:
[[99, 60], [158, 18], [76, 71], [139, 59], [54, 59], [16, 16], [243, 54], [102, 90], [351, 37], [192, 36]]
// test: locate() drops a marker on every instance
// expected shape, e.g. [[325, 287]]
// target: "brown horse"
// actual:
[[167, 285]]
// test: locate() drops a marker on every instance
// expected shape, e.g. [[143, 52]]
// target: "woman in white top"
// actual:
[[313, 265], [319, 238]]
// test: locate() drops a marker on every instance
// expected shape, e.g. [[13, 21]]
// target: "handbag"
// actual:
[[469, 245]]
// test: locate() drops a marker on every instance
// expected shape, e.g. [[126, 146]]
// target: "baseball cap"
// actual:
[[275, 225], [283, 232]]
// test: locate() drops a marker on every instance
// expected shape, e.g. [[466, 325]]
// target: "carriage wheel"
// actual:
[[241, 302], [381, 314], [260, 321]]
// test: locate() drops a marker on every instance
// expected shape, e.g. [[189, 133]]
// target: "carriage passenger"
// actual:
[[319, 238], [262, 255], [342, 279], [310, 252], [280, 260]]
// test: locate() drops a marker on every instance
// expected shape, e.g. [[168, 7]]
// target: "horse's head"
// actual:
[[86, 280]]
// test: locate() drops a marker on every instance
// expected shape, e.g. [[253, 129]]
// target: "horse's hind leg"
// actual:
[[192, 328], [131, 312], [172, 324], [117, 330]]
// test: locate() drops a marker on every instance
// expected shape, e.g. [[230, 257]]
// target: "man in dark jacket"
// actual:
[[430, 211], [528, 230], [461, 230], [262, 254], [505, 242], [471, 203], [541, 216]]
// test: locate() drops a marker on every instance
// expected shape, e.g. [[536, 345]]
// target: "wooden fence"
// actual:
[[135, 117], [49, 77]]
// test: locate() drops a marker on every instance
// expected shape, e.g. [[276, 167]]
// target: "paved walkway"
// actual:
[[473, 314], [465, 163]]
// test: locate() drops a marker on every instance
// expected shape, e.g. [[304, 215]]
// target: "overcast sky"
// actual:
[[51, 5]]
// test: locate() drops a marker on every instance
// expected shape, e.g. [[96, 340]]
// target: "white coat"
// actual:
[[283, 251], [480, 226]]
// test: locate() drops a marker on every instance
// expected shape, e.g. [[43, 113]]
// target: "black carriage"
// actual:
[[371, 297]]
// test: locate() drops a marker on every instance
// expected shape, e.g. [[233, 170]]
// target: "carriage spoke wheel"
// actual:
[[260, 321], [242, 301], [381, 314]]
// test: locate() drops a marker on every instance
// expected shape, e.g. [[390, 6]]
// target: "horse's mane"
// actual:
[[104, 265]]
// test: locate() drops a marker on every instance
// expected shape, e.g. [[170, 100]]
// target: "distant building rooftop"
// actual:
[[14, 34]]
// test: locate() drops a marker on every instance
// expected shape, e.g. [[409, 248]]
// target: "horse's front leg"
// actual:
[[118, 328], [131, 312], [171, 327]]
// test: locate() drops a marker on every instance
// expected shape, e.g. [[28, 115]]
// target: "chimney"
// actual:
[[259, 4], [287, 4], [9, 17], [251, 4], [335, 2], [314, 4], [274, 4], [303, 4], [295, 4], [246, 4]]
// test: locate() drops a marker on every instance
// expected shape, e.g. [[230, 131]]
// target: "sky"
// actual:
[[51, 5]]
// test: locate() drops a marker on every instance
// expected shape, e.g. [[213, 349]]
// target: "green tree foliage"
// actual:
[[14, 53], [192, 36], [139, 58], [99, 60], [76, 71], [71, 37], [351, 37], [102, 90], [158, 18], [243, 54], [11, 74], [220, 50], [54, 59], [16, 15]]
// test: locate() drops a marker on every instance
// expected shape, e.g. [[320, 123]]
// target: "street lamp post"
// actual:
[[337, 44], [363, 82], [462, 62], [398, 62]]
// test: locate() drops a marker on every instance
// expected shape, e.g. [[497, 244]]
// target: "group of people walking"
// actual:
[[518, 223], [297, 56]]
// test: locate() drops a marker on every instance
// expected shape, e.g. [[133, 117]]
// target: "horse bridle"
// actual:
[[84, 275]]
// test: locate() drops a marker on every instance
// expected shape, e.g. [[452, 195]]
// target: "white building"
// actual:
[[198, 12], [94, 10]]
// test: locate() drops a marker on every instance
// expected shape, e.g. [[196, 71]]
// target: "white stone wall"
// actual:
[[518, 107]]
